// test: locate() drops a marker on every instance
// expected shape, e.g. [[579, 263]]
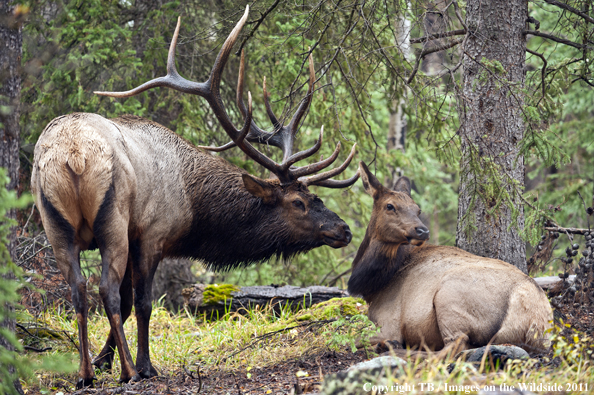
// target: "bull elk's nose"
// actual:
[[422, 232], [348, 234]]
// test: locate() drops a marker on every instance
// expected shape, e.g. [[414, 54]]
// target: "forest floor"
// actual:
[[263, 352]]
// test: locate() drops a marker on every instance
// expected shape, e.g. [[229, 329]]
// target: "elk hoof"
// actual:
[[82, 383], [103, 363], [134, 379], [148, 373]]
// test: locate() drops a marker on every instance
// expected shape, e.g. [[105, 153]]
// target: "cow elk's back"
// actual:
[[440, 297]]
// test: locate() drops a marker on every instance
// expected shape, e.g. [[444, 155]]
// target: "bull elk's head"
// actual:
[[395, 217], [305, 213]]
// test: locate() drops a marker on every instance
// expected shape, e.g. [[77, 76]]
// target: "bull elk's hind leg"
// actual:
[[111, 232], [145, 257], [61, 235], [105, 359]]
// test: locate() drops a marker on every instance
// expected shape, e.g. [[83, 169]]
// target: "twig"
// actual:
[[585, 208], [270, 334], [554, 38], [544, 68], [570, 9], [575, 231], [437, 35], [258, 23], [335, 279], [37, 349], [430, 51]]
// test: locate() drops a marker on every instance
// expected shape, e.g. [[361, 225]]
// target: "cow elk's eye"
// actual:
[[299, 204], [390, 207]]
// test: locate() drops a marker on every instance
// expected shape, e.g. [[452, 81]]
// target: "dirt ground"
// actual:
[[302, 375]]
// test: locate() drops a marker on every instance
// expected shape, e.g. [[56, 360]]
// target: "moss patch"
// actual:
[[333, 308], [215, 293]]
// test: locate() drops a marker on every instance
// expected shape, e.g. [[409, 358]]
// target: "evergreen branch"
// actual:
[[434, 36], [583, 79], [544, 68], [430, 51], [258, 22], [570, 9], [555, 38]]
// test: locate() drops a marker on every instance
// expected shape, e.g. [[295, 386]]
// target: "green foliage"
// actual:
[[353, 331], [9, 297], [71, 50]]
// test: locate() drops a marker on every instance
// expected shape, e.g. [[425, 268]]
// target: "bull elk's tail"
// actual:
[[72, 169]]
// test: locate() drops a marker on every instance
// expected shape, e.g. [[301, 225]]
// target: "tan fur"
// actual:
[[438, 297], [445, 293], [62, 155]]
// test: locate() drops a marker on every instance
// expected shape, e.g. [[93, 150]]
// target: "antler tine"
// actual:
[[256, 134], [172, 80], [222, 148], [304, 154], [315, 167], [269, 111], [331, 173], [337, 183]]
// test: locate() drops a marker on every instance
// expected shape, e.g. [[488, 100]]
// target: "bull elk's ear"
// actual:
[[402, 185], [259, 188], [370, 182]]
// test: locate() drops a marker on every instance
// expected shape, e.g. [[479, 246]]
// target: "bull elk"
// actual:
[[139, 192], [439, 297]]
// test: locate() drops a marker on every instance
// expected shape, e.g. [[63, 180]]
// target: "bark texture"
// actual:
[[10, 92], [492, 126]]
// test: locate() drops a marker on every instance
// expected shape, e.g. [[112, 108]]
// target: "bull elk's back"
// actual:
[[437, 296]]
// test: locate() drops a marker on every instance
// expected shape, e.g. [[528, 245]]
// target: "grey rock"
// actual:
[[497, 353], [360, 378], [379, 362]]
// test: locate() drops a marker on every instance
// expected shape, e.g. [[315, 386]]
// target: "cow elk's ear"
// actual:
[[259, 188], [402, 185], [370, 182]]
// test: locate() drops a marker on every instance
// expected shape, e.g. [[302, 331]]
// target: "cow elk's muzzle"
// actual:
[[421, 235]]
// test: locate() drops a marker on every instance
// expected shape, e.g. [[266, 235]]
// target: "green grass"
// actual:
[[237, 343]]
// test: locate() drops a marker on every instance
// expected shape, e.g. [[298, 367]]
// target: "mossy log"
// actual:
[[222, 298]]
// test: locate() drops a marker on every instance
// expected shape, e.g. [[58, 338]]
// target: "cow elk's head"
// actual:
[[395, 216], [303, 212]]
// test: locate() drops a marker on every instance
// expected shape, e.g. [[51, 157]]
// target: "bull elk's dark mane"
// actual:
[[230, 227], [246, 231], [375, 266]]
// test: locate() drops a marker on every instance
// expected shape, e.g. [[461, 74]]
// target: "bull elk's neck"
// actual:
[[375, 266], [230, 227]]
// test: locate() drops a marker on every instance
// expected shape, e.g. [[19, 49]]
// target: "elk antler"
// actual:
[[283, 137]]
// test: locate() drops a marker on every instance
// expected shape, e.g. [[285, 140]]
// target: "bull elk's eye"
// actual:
[[390, 207], [299, 204]]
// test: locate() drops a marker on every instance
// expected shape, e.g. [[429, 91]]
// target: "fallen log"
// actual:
[[218, 299], [549, 282]]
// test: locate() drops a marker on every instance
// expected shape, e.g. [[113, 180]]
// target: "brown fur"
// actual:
[[439, 297], [139, 192]]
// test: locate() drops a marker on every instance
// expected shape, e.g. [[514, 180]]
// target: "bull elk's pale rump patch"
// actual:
[[439, 297], [139, 192]]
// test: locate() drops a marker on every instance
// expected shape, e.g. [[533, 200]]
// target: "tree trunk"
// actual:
[[492, 127], [10, 92]]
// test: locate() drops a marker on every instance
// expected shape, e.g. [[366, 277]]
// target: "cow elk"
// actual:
[[139, 192], [439, 297]]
